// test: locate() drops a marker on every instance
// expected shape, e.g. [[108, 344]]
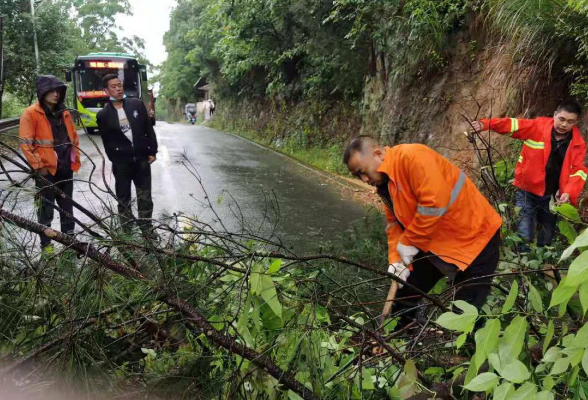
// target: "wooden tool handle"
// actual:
[[389, 301]]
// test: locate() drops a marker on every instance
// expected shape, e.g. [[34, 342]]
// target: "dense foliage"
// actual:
[[65, 29], [292, 49], [299, 50], [108, 321]]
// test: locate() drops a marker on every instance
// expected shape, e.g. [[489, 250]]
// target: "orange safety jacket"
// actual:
[[436, 207], [36, 139], [530, 168]]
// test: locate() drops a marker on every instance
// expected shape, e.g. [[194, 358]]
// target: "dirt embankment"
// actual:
[[482, 79]]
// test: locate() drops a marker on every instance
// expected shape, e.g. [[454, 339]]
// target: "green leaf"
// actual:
[[525, 392], [562, 293], [581, 339], [436, 372], [269, 319], [407, 383], [494, 361], [322, 315], [585, 362], [487, 340], [472, 371], [275, 266], [270, 295], [562, 308], [410, 370], [583, 292], [217, 322], [293, 396], [461, 340], [568, 211], [577, 272], [535, 298], [541, 368], [511, 298], [552, 355], [548, 335], [545, 395], [504, 391], [511, 342], [149, 352], [466, 307], [560, 366], [567, 230], [548, 383], [575, 356], [255, 279], [581, 241], [483, 382], [367, 383], [457, 322], [515, 372], [574, 374], [243, 322]]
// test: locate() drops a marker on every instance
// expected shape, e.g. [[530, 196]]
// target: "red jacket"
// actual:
[[530, 169]]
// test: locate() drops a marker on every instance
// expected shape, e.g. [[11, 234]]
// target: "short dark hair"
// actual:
[[571, 106], [357, 144], [108, 78]]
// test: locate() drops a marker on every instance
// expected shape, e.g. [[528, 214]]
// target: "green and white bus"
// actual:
[[87, 74]]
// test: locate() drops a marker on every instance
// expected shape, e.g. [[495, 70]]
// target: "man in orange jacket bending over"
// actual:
[[439, 224], [551, 164]]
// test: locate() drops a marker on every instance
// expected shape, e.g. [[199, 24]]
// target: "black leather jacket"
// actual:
[[118, 148]]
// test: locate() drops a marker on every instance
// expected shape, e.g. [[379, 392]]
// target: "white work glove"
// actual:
[[407, 253], [400, 270]]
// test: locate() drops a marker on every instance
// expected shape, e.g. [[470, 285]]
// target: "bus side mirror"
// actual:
[[68, 75], [144, 75]]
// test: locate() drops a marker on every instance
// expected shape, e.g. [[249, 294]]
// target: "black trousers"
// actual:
[[425, 275], [46, 198], [139, 173]]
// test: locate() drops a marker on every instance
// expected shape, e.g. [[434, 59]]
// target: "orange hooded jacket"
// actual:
[[530, 168], [437, 208], [36, 139]]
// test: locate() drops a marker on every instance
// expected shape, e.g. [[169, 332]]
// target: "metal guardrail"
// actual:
[[8, 124]]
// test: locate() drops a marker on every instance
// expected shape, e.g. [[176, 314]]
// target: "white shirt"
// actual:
[[125, 126]]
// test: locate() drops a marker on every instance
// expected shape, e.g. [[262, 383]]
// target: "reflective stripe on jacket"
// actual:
[[530, 168], [36, 139], [440, 208]]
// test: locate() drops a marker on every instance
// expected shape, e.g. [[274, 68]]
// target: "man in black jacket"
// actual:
[[131, 145]]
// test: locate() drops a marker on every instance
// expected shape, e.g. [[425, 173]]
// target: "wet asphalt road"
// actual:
[[246, 184]]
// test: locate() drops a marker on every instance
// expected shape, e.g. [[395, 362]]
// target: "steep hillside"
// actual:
[[481, 80]]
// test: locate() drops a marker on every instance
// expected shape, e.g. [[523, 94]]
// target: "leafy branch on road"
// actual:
[[208, 312]]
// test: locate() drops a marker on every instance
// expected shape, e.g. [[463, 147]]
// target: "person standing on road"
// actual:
[[439, 224], [551, 165], [50, 143], [211, 106], [131, 145]]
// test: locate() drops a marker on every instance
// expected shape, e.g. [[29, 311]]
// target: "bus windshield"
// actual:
[[89, 82]]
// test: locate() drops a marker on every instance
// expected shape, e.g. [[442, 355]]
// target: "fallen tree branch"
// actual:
[[194, 317]]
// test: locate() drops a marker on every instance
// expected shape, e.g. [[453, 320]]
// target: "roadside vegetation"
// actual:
[[209, 313], [204, 312]]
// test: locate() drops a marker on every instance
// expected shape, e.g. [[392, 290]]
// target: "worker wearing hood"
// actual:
[[50, 143]]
